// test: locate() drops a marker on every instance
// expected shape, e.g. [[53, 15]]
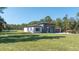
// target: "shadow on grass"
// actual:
[[21, 38]]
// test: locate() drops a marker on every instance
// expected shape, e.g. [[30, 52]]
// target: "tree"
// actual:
[[72, 23], [2, 22], [47, 19], [77, 15], [1, 9], [34, 22], [42, 20], [66, 23], [77, 26], [58, 22], [77, 23]]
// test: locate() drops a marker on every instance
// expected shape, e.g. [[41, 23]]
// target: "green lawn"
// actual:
[[19, 41]]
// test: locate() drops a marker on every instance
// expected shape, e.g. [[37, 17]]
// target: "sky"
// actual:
[[19, 15]]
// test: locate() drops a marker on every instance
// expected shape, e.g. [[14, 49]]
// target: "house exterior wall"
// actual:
[[33, 29], [47, 28], [40, 30], [29, 29]]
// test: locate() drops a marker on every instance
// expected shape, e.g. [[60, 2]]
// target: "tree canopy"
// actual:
[[1, 9], [2, 19]]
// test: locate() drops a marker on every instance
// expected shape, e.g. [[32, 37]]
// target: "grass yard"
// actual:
[[19, 41]]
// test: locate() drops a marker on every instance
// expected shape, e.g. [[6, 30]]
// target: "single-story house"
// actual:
[[42, 28]]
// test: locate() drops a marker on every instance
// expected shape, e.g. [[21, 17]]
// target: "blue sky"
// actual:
[[19, 15]]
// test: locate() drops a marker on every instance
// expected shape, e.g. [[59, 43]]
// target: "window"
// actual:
[[37, 29]]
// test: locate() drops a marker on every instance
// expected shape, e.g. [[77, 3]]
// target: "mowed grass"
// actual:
[[20, 41]]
